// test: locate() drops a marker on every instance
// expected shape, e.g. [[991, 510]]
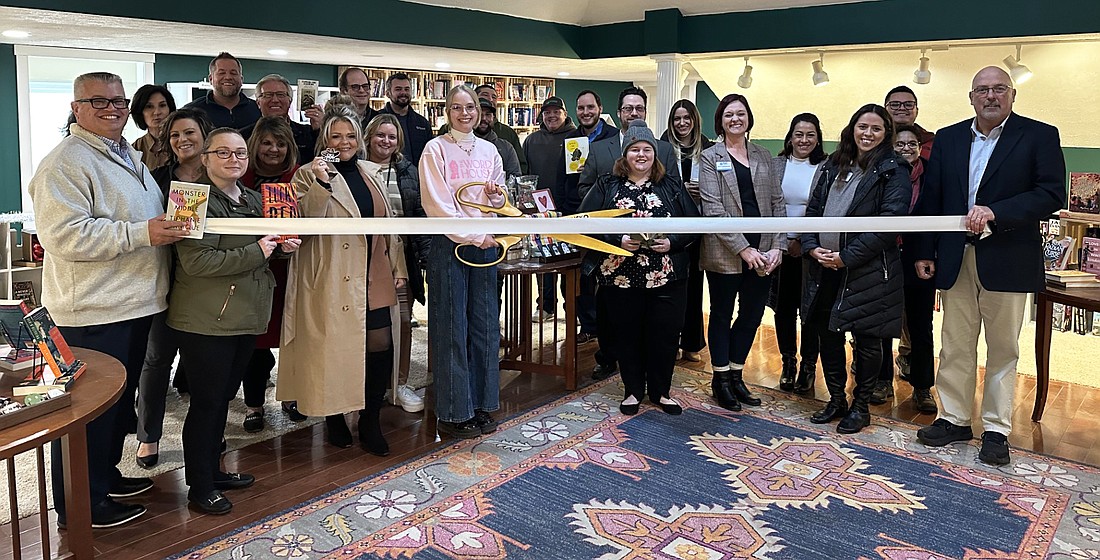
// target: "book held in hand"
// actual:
[[576, 153], [307, 94], [187, 203], [279, 202]]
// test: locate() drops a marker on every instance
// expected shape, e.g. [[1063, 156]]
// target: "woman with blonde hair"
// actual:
[[340, 318], [463, 331]]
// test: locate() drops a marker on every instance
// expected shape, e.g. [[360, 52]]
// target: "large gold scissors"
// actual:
[[509, 210]]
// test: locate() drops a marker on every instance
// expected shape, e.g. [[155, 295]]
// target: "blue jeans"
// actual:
[[730, 341], [463, 333]]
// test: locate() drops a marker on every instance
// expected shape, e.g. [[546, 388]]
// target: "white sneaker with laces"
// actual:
[[409, 400], [540, 316]]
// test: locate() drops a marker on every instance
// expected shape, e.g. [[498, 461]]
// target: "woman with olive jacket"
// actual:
[[736, 179], [854, 279]]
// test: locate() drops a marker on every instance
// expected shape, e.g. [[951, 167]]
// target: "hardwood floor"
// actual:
[[299, 466]]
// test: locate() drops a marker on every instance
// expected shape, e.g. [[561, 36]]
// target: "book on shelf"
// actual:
[[1056, 251], [14, 332], [542, 92], [280, 201], [24, 290], [63, 367], [498, 86], [187, 203], [1060, 315], [1090, 255]]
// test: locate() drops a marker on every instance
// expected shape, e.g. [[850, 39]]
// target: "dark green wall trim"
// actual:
[[607, 90], [10, 188], [182, 68], [374, 20]]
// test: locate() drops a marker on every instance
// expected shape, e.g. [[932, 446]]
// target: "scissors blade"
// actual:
[[612, 213], [590, 243]]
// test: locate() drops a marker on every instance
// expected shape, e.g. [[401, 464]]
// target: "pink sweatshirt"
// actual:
[[444, 167]]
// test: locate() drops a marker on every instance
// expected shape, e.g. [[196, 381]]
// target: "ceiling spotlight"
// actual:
[[563, 74], [820, 77], [1019, 72], [15, 34], [922, 75], [442, 65], [745, 81], [277, 52]]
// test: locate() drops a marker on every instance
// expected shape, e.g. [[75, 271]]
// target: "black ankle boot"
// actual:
[[807, 375], [337, 431], [737, 385], [854, 421], [786, 377], [723, 393], [832, 411], [379, 368]]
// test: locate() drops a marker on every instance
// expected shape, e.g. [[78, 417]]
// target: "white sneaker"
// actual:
[[540, 316], [409, 400]]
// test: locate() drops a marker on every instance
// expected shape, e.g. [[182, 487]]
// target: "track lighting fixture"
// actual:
[[1018, 71], [745, 81], [922, 75], [820, 77]]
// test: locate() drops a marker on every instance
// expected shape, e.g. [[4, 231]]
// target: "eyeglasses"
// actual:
[[358, 87], [912, 145], [224, 153], [466, 108], [103, 102], [999, 89], [895, 105], [633, 108], [274, 94]]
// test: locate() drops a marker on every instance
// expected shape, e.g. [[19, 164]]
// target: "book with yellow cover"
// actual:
[[187, 203]]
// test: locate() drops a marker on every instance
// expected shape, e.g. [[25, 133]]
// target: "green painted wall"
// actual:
[[607, 90], [179, 68], [10, 197], [707, 102]]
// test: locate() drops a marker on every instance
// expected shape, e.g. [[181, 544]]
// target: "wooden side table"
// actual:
[[99, 388], [1085, 298], [526, 347]]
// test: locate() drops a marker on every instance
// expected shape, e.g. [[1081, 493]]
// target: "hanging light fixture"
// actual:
[[1018, 71], [745, 81], [820, 77], [922, 75]]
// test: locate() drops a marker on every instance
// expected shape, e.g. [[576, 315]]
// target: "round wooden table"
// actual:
[[96, 390]]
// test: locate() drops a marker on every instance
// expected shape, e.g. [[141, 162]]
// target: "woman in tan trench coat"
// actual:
[[340, 320]]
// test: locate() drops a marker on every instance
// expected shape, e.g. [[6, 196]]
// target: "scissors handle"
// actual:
[[505, 209], [505, 242]]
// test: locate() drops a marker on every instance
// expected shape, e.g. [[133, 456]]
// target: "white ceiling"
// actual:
[[597, 12], [63, 29]]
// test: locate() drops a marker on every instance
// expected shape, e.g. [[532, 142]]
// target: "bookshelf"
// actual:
[[518, 98], [9, 273]]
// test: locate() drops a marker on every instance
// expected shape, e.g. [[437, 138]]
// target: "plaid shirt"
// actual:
[[122, 149]]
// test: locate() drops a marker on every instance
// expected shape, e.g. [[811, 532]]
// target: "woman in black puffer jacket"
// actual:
[[854, 280]]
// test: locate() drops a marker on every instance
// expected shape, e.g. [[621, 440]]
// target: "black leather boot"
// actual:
[[337, 431], [786, 377], [807, 375], [379, 369], [837, 407], [740, 390], [723, 393], [865, 369]]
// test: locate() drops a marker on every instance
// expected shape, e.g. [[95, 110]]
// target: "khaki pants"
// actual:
[[967, 307]]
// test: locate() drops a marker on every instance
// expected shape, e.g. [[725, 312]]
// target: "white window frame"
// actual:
[[22, 78]]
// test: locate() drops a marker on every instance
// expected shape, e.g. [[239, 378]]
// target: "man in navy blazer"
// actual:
[[1006, 172]]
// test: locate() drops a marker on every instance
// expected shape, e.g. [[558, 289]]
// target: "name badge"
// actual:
[[651, 200], [723, 166]]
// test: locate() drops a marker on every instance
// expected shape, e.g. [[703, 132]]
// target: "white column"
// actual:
[[670, 80]]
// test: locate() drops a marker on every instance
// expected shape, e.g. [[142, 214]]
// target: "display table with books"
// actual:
[[536, 346], [96, 390], [1087, 298]]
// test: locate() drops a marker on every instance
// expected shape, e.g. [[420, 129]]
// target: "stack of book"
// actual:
[[1066, 279], [59, 368]]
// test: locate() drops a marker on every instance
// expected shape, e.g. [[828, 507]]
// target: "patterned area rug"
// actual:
[[576, 479]]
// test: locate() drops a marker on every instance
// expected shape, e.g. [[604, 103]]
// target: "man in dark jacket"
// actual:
[[355, 84], [545, 149], [485, 131], [226, 105], [273, 95], [414, 125], [1005, 172]]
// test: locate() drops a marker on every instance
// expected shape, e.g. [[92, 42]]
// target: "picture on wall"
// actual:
[[1084, 192]]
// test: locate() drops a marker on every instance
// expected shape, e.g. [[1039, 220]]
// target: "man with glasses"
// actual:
[[1005, 172], [225, 105], [415, 126], [901, 103], [100, 218], [273, 97], [355, 84], [602, 156]]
